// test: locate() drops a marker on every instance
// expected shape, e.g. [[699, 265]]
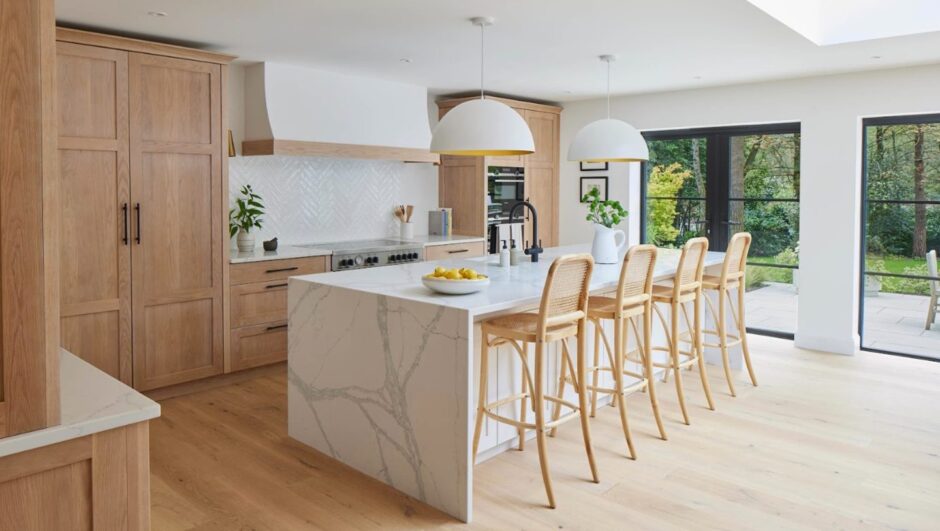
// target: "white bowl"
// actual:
[[455, 287]]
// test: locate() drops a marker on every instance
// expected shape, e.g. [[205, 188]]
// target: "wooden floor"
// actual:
[[825, 442]]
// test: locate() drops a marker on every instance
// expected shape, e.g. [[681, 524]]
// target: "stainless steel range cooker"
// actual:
[[359, 254]]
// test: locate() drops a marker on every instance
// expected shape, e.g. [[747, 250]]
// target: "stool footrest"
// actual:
[[507, 420], [507, 400]]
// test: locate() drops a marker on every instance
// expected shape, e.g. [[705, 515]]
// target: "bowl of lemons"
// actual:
[[455, 281]]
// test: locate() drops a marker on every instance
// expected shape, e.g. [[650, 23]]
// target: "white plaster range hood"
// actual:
[[293, 110]]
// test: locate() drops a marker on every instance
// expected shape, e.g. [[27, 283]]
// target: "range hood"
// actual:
[[293, 110]]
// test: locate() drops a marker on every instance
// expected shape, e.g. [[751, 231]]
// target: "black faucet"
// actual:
[[536, 248]]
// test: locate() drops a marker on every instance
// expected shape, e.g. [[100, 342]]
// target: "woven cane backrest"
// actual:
[[636, 275], [691, 265], [565, 295], [736, 257]]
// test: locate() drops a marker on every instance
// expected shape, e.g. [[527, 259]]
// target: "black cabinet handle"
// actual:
[[277, 327], [272, 286], [126, 239], [281, 270], [137, 211], [455, 251]]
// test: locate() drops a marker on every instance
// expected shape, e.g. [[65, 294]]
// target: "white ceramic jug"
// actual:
[[606, 249]]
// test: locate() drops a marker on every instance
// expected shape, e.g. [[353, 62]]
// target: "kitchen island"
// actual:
[[382, 371]]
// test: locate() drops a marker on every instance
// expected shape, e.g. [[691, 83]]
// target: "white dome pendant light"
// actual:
[[608, 140], [482, 127]]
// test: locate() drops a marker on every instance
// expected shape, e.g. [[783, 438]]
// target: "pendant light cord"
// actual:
[[482, 57], [608, 90]]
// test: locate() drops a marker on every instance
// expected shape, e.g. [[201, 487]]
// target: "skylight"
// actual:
[[828, 22]]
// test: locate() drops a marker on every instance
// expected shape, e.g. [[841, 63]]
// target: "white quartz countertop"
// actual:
[[431, 240], [91, 402], [283, 252], [510, 288]]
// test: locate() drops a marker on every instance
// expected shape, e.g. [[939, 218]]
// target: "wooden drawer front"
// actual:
[[276, 269], [253, 346], [260, 302], [454, 250]]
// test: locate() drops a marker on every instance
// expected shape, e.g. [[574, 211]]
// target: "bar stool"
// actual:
[[562, 314], [732, 277], [631, 302], [686, 288]]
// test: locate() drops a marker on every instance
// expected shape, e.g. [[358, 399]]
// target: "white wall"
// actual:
[[830, 109]]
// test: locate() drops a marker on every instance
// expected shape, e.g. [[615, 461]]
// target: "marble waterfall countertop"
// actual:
[[515, 287], [91, 402], [431, 240]]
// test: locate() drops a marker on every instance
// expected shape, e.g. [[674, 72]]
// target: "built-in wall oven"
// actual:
[[505, 187]]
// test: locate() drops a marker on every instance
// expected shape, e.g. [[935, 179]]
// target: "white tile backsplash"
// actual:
[[311, 199]]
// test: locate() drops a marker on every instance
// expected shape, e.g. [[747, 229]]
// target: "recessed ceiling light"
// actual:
[[697, 77], [404, 60], [157, 13], [567, 92], [876, 57]]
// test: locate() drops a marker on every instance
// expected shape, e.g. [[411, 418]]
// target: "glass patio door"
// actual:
[[900, 236], [716, 182]]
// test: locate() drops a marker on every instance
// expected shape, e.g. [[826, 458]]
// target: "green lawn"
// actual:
[[892, 264]]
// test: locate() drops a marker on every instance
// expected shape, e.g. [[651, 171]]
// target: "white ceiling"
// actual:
[[543, 49]]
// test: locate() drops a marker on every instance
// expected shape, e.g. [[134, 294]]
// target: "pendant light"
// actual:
[[482, 127], [608, 140]]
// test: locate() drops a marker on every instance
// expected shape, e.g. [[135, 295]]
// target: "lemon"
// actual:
[[453, 275]]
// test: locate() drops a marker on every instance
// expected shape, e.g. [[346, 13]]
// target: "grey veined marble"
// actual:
[[381, 384]]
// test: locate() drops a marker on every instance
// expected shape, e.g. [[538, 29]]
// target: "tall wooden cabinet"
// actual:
[[463, 180], [140, 146], [29, 305]]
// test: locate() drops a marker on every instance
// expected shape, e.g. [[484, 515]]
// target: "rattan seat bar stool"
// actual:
[[732, 277], [562, 315], [685, 288], [631, 302]]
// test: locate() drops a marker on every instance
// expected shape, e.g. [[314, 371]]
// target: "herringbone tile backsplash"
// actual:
[[312, 199]]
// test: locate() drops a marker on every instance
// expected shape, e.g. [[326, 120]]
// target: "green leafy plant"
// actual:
[[607, 213], [664, 181], [247, 212]]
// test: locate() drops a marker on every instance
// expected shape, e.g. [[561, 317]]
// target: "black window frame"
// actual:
[[717, 164], [908, 119]]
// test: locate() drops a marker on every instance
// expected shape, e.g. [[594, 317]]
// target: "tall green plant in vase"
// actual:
[[245, 216], [605, 215]]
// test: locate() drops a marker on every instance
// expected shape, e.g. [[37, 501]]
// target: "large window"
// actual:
[[900, 227], [715, 182]]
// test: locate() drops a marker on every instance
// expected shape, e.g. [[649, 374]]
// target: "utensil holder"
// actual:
[[407, 230]]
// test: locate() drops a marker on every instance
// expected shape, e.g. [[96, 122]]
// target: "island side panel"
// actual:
[[382, 384]]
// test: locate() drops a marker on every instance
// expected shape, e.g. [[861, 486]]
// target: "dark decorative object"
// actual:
[[270, 245], [593, 166], [591, 183]]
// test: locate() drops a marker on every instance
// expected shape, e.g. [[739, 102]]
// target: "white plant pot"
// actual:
[[245, 241], [606, 249]]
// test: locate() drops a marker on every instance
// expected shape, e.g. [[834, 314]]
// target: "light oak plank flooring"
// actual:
[[825, 442]]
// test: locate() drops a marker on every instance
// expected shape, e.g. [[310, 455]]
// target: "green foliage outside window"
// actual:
[[664, 181]]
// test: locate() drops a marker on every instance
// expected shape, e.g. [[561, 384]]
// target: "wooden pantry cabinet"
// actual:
[[463, 180], [142, 164]]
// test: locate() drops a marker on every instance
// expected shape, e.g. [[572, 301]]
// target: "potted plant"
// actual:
[[605, 215], [244, 217]]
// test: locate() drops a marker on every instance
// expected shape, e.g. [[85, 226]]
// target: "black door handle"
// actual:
[[137, 211], [273, 286], [276, 327], [282, 270], [126, 239]]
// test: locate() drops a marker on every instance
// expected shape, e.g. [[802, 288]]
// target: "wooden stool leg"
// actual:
[[595, 370], [674, 357], [481, 404], [742, 333], [581, 387], [699, 350], [647, 353], [723, 337], [562, 373], [619, 347], [538, 401], [523, 413]]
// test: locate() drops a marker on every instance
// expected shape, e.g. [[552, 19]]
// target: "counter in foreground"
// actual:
[[381, 370]]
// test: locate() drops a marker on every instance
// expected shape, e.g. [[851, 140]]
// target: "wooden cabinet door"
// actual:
[[95, 268], [176, 193], [541, 175]]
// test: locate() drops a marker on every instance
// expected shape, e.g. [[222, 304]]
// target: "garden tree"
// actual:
[[920, 194], [664, 181]]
